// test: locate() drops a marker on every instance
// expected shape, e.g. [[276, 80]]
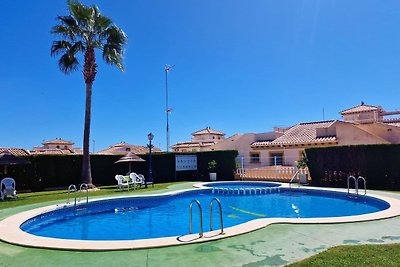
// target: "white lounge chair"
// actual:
[[121, 182], [7, 187]]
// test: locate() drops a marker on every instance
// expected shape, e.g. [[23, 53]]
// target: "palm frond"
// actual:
[[115, 36], [78, 47], [101, 22], [68, 63], [83, 14], [64, 31], [112, 56], [59, 47]]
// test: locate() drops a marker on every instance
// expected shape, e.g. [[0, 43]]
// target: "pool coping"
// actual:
[[11, 233]]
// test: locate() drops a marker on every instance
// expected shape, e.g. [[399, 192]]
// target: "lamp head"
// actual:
[[150, 136]]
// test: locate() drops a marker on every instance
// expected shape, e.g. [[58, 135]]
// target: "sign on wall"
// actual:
[[186, 163]]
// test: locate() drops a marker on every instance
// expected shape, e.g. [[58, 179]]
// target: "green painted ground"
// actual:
[[275, 245]]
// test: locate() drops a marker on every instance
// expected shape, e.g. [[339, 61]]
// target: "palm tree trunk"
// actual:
[[86, 170], [89, 73]]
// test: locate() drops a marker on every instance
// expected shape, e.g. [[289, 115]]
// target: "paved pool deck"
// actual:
[[275, 245]]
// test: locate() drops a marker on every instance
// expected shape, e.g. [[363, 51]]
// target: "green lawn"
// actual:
[[361, 255], [38, 197]]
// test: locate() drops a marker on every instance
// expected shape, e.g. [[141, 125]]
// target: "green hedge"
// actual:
[[379, 164], [59, 171]]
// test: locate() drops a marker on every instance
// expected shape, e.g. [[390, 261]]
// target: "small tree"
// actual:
[[212, 166], [302, 163]]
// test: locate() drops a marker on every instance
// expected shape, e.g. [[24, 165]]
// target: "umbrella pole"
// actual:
[[5, 169], [129, 167]]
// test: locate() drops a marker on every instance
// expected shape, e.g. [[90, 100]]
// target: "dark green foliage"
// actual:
[[59, 171], [379, 164]]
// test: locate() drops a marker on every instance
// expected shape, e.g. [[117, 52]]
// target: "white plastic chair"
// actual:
[[121, 182], [7, 188], [137, 179], [141, 180]]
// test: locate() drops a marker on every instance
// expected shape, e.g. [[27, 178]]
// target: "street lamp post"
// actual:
[[167, 108], [150, 136]]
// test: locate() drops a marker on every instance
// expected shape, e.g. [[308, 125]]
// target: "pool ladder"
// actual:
[[195, 201], [72, 188], [296, 175], [356, 185]]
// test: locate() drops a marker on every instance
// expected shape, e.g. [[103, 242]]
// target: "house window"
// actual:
[[128, 149], [275, 158], [254, 157]]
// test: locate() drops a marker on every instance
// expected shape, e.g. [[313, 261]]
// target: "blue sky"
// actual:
[[241, 66]]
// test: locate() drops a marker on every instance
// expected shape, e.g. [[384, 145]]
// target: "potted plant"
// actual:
[[302, 165], [212, 167]]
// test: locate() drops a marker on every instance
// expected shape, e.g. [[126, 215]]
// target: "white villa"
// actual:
[[362, 124], [56, 146], [201, 140], [123, 148]]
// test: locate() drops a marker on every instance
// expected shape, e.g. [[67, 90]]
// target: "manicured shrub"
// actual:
[[379, 164], [59, 171]]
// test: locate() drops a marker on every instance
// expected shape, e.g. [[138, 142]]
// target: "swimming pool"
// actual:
[[127, 222]]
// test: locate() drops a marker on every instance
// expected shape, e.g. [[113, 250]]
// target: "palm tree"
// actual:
[[83, 31]]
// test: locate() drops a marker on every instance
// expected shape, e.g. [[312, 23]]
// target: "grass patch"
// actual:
[[45, 196], [360, 255]]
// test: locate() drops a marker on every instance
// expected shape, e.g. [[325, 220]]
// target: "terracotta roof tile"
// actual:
[[58, 141], [208, 130], [301, 133], [15, 151], [193, 144], [122, 148], [360, 108], [54, 151]]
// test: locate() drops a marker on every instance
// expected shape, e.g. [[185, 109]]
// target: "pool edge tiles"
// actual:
[[10, 231]]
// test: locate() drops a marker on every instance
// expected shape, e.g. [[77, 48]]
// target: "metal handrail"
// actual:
[[365, 184], [294, 176], [86, 186], [72, 188], [355, 184], [220, 214], [201, 217]]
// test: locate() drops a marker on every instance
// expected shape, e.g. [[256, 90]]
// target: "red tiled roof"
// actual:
[[194, 144], [208, 130], [359, 108], [302, 133], [58, 142], [15, 151], [54, 151], [122, 148]]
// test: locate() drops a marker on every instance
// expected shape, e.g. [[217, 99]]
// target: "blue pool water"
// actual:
[[164, 216]]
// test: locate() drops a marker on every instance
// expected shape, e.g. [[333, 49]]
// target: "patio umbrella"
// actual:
[[6, 158], [130, 157]]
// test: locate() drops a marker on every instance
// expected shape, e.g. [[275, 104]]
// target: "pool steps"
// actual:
[[197, 202], [244, 191]]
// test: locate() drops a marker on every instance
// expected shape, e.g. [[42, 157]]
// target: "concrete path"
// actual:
[[275, 245]]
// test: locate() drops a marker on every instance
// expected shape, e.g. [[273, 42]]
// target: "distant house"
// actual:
[[201, 140], [362, 124], [124, 148], [369, 114], [56, 146], [242, 143], [15, 151]]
